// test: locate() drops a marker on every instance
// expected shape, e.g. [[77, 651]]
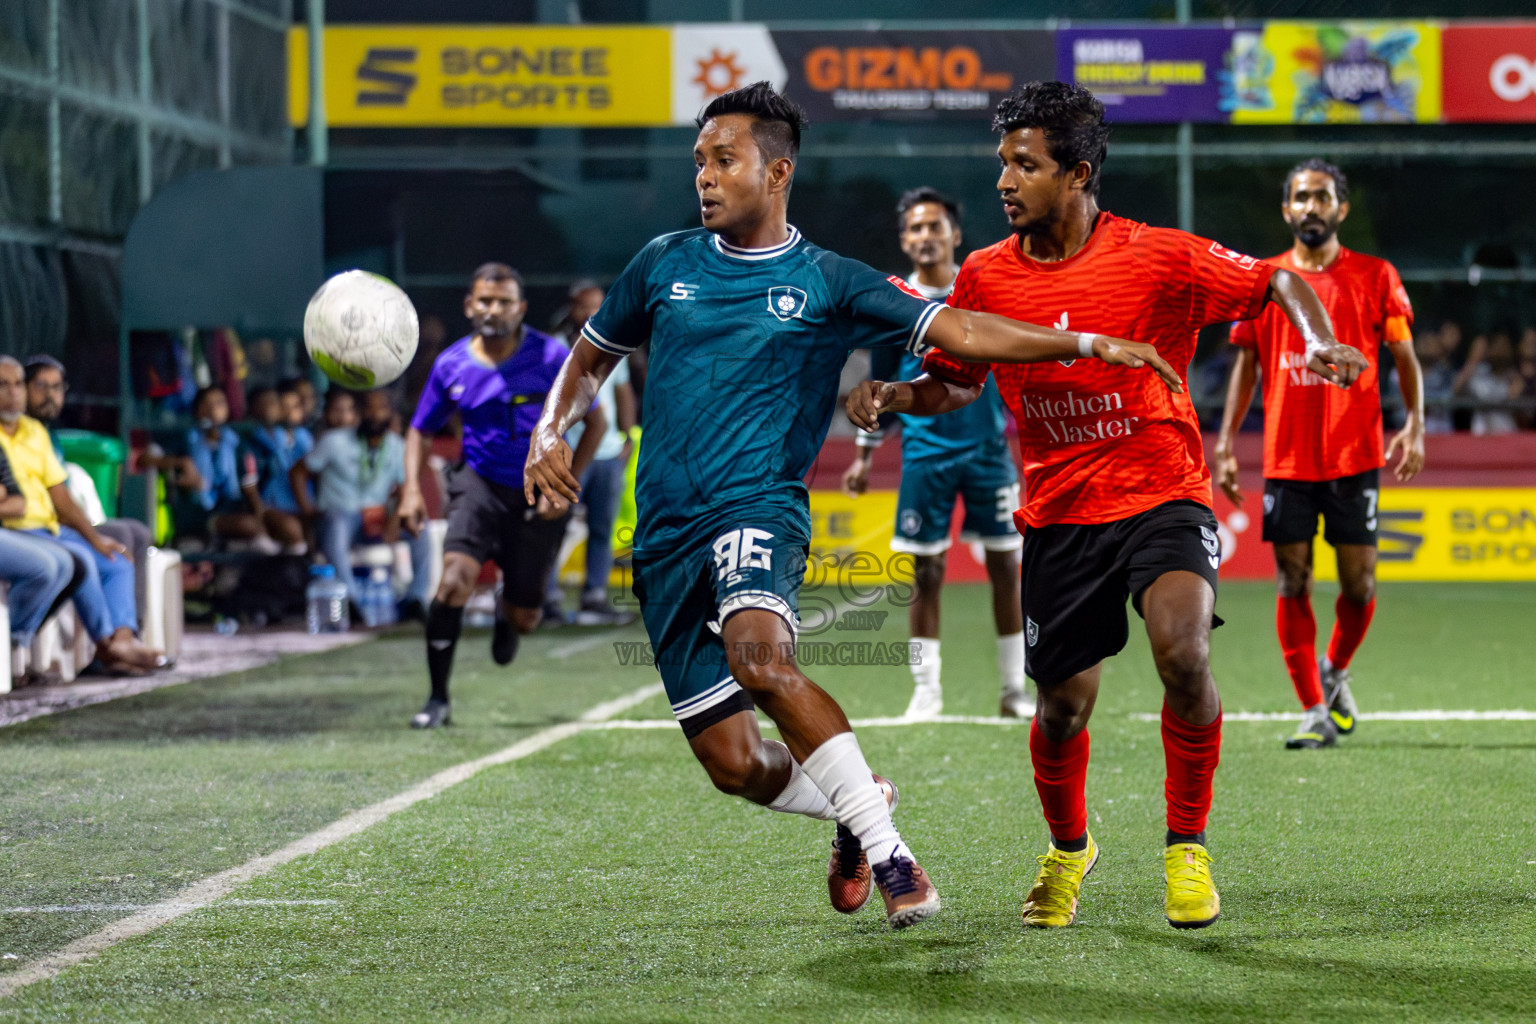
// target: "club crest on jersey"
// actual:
[[1222, 252], [911, 522], [1032, 629], [1061, 325], [786, 302]]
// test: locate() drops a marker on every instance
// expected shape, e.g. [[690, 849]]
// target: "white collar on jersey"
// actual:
[[934, 294], [737, 253]]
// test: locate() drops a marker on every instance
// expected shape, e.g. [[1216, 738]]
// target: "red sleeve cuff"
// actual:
[[1260, 294]]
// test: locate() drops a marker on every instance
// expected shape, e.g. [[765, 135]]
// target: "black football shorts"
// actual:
[[1076, 578], [491, 522], [1347, 505]]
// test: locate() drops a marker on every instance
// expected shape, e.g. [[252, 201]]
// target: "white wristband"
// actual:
[[1085, 345]]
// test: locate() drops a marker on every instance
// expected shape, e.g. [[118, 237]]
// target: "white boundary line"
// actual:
[[201, 894], [97, 908]]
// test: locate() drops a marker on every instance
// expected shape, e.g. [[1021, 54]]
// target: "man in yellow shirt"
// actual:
[[105, 599]]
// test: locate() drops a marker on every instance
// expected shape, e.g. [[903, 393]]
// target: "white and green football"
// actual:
[[361, 330]]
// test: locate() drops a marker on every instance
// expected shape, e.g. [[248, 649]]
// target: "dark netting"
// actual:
[[174, 156], [99, 48], [32, 299], [258, 61], [23, 160], [100, 172], [184, 53], [24, 34]]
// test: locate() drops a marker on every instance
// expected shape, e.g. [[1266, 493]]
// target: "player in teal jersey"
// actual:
[[962, 453], [749, 326]]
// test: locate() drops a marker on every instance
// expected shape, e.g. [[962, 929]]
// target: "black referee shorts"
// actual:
[[1348, 506], [1076, 578], [491, 522]]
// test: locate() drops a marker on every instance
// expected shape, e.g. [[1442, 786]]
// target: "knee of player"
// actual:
[[731, 770], [525, 620], [928, 573], [1183, 661], [1294, 579], [1360, 590], [765, 673]]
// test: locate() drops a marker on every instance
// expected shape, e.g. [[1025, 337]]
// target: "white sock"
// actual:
[[839, 770], [1010, 662], [925, 670], [801, 796]]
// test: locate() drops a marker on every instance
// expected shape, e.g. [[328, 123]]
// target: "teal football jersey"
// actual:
[[953, 433], [747, 346]]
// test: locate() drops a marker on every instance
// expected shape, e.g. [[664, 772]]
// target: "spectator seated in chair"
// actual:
[[47, 387], [277, 446], [40, 574], [359, 467], [105, 598]]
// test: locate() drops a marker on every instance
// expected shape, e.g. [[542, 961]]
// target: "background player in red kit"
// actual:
[[1322, 446], [1117, 492]]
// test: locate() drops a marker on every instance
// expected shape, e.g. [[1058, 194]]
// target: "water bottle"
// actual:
[[382, 598], [325, 602]]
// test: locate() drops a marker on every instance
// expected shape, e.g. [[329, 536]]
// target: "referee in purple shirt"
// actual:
[[495, 378]]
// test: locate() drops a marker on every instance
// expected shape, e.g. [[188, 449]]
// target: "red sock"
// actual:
[[1298, 642], [1061, 772], [1192, 753], [1348, 629]]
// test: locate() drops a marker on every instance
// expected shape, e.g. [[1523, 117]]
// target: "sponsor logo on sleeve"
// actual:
[[1221, 252]]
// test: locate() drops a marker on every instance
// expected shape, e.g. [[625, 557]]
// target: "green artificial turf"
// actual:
[[604, 879]]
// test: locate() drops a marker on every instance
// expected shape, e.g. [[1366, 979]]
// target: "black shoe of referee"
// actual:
[[432, 714]]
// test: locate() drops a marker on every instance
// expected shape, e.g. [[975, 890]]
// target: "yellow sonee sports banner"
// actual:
[[1446, 534], [485, 76]]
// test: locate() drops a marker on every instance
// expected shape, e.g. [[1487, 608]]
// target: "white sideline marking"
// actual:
[[579, 646], [1514, 715], [96, 908], [214, 887], [857, 723]]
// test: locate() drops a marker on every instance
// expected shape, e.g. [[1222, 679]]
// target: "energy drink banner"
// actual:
[[1335, 73], [1149, 73], [917, 75]]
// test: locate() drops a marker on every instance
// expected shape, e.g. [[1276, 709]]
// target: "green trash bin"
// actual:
[[101, 456]]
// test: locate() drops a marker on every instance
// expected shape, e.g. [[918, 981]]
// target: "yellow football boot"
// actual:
[[1052, 903], [1193, 901]]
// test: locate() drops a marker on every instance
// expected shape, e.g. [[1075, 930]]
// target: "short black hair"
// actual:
[[40, 362], [1321, 166], [925, 194], [335, 394], [779, 121], [497, 273], [205, 393], [289, 385], [255, 393], [1071, 117]]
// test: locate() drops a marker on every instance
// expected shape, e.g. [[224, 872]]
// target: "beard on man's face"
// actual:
[[1314, 231]]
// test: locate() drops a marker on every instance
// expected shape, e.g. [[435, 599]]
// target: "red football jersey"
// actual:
[[1102, 443], [1312, 429]]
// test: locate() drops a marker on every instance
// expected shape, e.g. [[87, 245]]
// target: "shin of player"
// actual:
[[1323, 446], [1118, 498], [961, 454], [501, 366]]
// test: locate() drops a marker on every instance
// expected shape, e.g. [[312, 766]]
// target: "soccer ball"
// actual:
[[361, 330]]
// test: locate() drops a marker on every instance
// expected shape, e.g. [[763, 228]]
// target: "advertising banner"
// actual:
[[1490, 71], [1148, 73], [1335, 73], [1431, 534], [901, 75], [708, 60], [487, 76]]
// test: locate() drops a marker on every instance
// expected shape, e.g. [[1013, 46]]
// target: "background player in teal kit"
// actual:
[[749, 326], [962, 453]]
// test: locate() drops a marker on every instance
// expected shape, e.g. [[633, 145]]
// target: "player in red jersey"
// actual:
[[1322, 446], [1118, 496]]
